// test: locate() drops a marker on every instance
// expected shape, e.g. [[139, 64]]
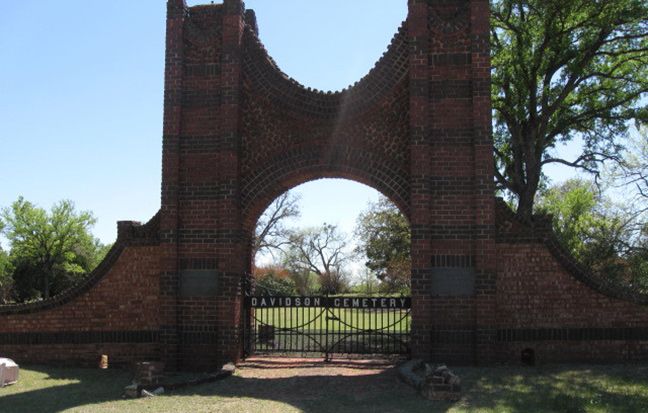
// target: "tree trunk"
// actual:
[[532, 169], [525, 206], [46, 290]]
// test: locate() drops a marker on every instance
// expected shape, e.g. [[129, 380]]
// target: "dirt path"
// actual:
[[339, 386], [278, 367]]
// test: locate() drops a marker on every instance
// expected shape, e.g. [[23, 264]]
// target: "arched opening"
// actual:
[[330, 273]]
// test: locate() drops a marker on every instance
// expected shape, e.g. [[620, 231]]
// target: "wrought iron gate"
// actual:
[[327, 325]]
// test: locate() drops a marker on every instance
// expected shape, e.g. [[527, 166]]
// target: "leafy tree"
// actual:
[[368, 284], [638, 263], [322, 251], [271, 234], [49, 251], [561, 70], [609, 239], [384, 239], [6, 281], [273, 281], [573, 207], [305, 281]]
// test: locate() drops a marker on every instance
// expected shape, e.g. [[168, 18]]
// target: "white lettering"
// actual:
[[287, 302], [355, 303], [336, 302], [392, 303], [263, 302], [272, 301], [383, 303], [316, 302], [346, 303], [373, 301], [403, 302], [365, 303], [307, 302], [298, 302]]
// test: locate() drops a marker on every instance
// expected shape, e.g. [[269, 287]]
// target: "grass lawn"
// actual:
[[547, 389], [497, 389], [338, 319]]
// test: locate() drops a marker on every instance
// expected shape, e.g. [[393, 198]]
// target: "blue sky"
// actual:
[[81, 96], [81, 101]]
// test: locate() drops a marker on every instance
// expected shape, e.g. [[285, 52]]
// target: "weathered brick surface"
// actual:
[[238, 132]]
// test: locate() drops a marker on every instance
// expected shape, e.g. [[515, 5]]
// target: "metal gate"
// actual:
[[326, 325]]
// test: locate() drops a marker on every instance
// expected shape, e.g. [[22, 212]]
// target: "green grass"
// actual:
[[618, 389], [338, 319]]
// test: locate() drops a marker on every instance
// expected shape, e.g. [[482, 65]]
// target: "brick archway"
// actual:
[[417, 127], [238, 132]]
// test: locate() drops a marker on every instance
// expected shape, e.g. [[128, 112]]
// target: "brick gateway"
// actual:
[[238, 132]]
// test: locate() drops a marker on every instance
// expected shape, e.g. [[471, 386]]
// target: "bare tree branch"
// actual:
[[271, 233]]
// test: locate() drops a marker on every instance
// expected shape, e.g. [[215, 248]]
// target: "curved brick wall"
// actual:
[[546, 302], [114, 311]]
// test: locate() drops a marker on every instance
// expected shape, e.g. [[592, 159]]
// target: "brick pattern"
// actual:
[[292, 134], [451, 173]]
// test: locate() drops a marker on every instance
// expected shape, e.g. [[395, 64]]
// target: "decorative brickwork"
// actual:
[[238, 132]]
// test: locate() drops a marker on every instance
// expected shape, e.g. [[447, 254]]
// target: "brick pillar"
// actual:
[[233, 253], [170, 182], [484, 187], [420, 153], [204, 251], [451, 179]]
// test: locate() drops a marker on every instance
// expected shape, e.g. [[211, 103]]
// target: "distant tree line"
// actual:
[[317, 260]]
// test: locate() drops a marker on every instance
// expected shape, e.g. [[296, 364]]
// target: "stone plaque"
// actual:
[[198, 283], [453, 281]]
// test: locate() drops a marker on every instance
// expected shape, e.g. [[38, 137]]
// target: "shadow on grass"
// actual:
[[564, 388], [557, 389], [53, 389], [552, 389]]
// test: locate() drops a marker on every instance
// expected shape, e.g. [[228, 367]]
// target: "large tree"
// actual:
[[322, 251], [384, 239], [564, 70], [271, 234], [49, 250]]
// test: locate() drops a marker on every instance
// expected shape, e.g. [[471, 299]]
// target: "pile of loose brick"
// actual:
[[441, 384], [149, 372], [433, 383]]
